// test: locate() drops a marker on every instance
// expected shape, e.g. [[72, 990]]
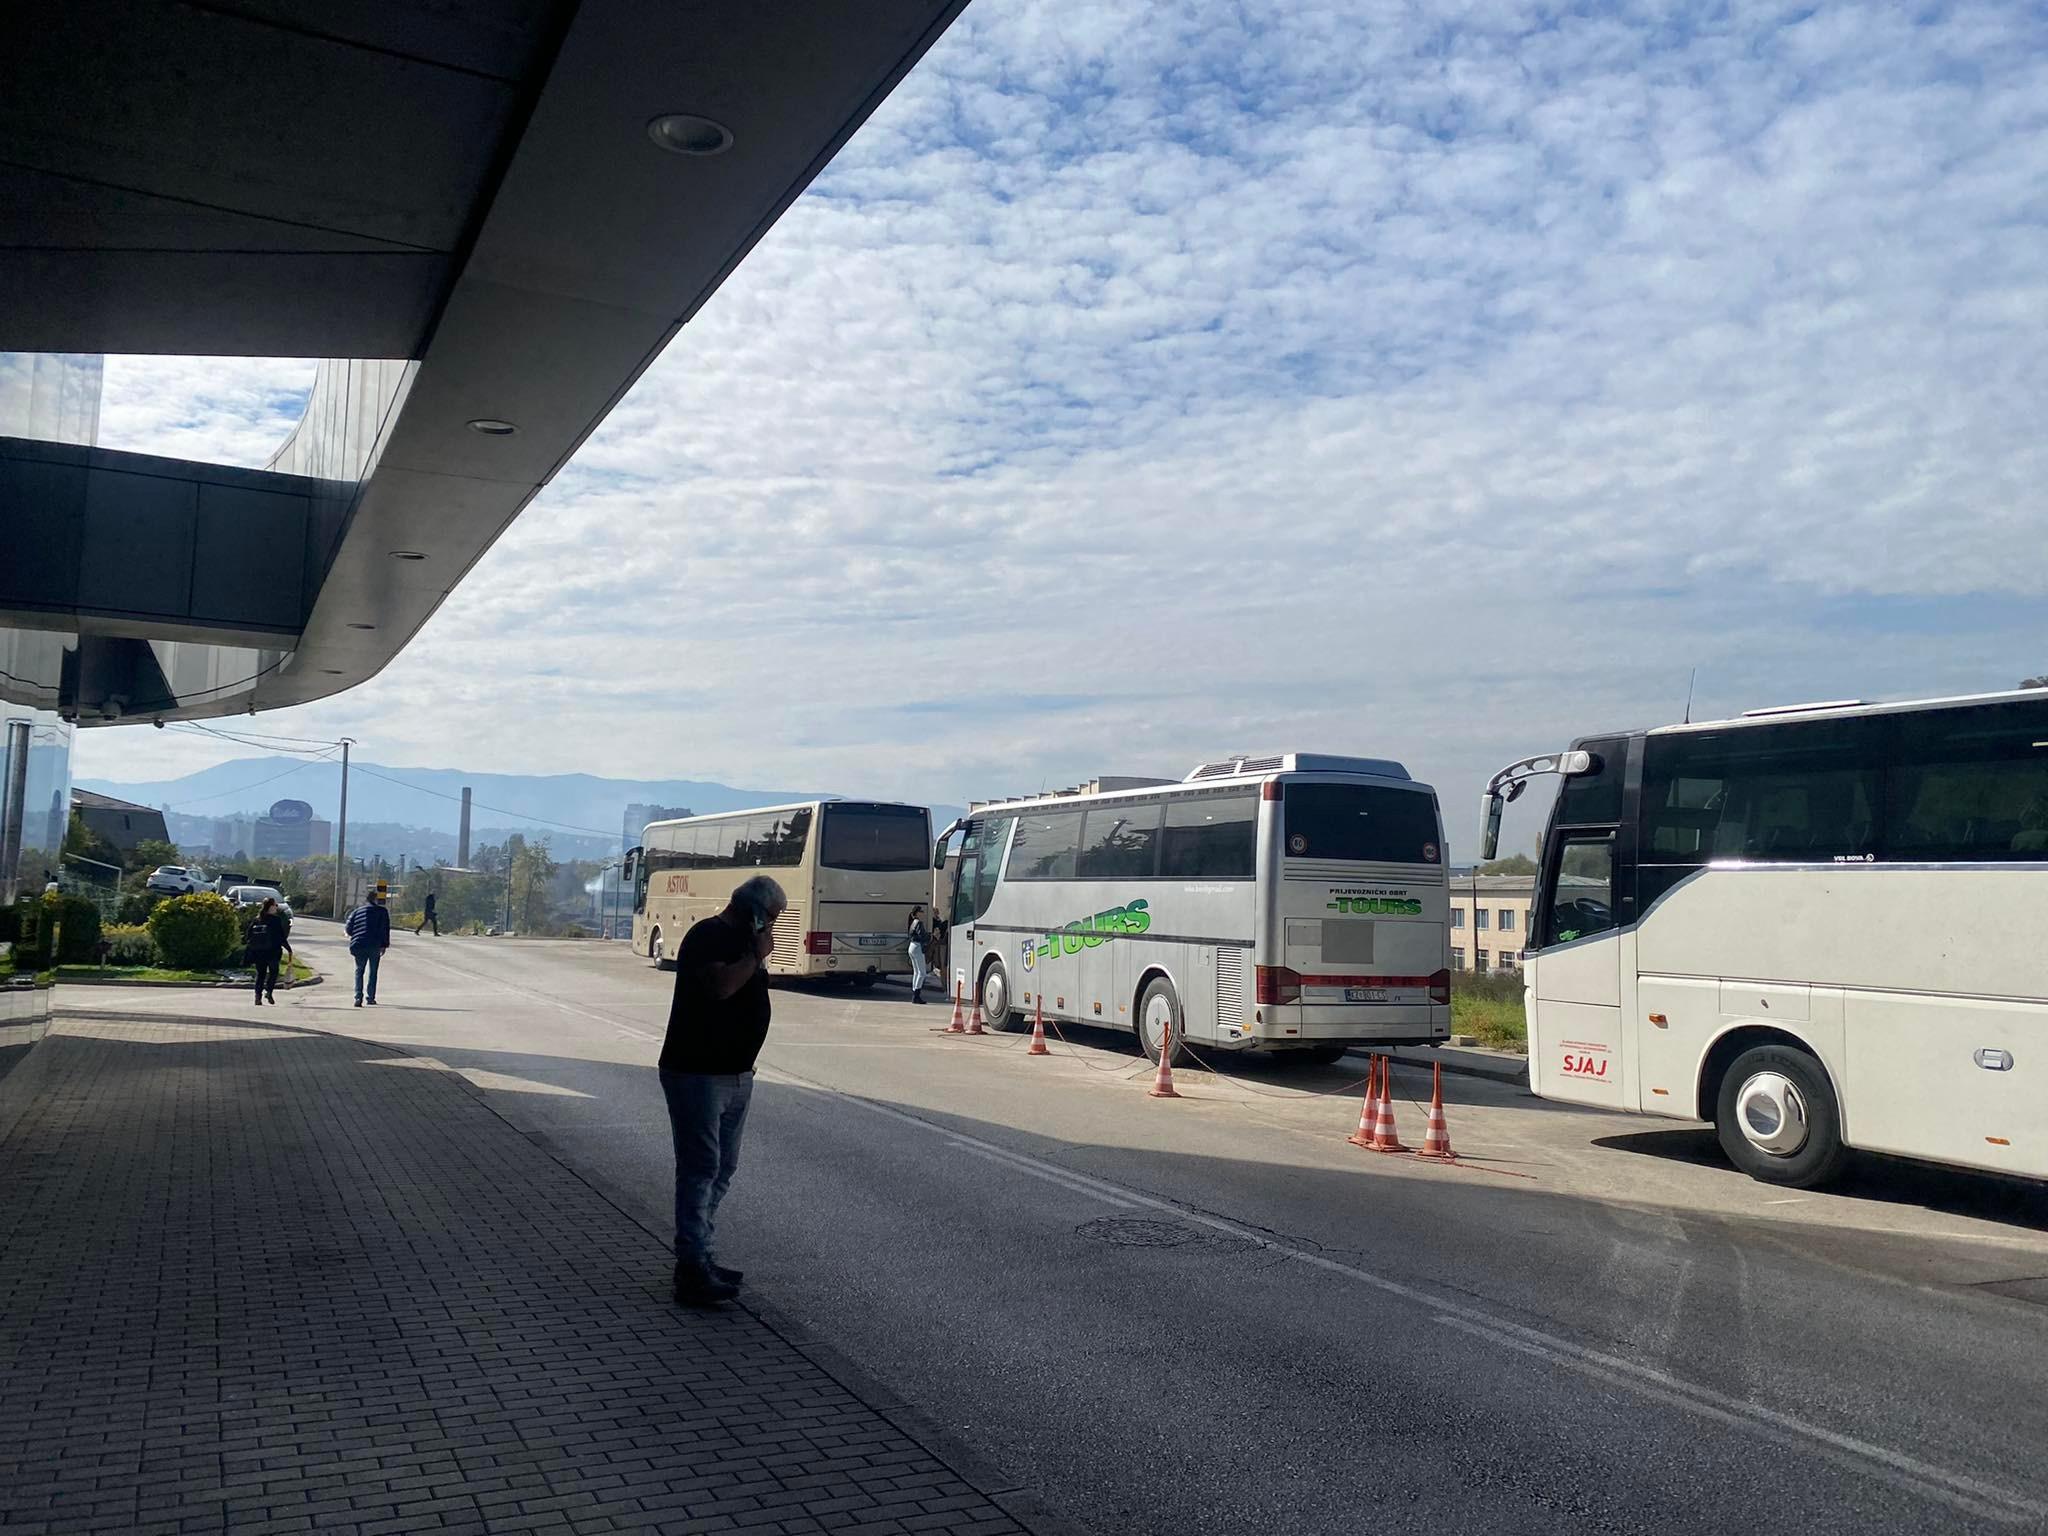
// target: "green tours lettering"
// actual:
[[1384, 906], [1127, 921]]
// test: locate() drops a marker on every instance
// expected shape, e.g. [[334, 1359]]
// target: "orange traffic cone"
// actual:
[[959, 1024], [1162, 1085], [1386, 1136], [1368, 1108], [974, 1023], [1038, 1046], [1436, 1141]]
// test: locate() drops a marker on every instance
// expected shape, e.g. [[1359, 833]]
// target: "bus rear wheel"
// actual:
[[1778, 1120], [655, 952], [1158, 1004]]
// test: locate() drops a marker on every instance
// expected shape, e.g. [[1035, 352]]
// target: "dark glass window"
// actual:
[[1046, 845], [1210, 837], [1594, 799], [1579, 899], [994, 836], [780, 838], [1119, 842], [876, 837], [1783, 794], [722, 844], [1360, 822], [1968, 784]]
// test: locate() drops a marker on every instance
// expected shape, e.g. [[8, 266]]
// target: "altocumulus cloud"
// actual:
[[1408, 379]]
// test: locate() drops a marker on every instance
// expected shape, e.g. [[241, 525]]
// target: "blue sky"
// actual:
[[1162, 379]]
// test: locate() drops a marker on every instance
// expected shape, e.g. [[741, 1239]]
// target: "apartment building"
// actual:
[[1489, 920]]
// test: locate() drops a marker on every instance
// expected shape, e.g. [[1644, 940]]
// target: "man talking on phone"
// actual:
[[716, 1026]]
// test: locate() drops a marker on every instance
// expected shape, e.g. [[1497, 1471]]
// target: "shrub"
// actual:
[[78, 933], [129, 944], [196, 932], [137, 905]]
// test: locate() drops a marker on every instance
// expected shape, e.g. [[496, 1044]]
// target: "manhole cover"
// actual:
[[1149, 1232]]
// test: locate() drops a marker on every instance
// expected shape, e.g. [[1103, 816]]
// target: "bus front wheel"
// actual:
[[655, 952], [1159, 1005], [1778, 1120], [997, 1007]]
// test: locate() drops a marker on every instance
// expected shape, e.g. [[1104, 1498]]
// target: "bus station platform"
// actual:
[[260, 1278]]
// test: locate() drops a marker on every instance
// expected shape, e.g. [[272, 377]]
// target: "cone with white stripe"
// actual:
[[1162, 1083], [1368, 1108], [1436, 1141], [1386, 1137], [958, 1025], [974, 1023], [1038, 1046]]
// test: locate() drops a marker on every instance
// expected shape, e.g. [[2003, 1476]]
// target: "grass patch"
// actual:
[[1489, 1008], [165, 975]]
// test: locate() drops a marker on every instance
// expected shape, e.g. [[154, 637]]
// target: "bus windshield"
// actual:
[[1360, 822], [875, 837]]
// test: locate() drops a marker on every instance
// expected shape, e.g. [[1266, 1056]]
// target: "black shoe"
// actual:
[[373, 1002], [270, 997], [728, 1275], [359, 1002], [700, 1288]]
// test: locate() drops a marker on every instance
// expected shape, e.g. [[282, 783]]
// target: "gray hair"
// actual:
[[760, 897]]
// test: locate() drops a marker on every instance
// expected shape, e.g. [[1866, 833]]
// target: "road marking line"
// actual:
[[1966, 1493], [1036, 1171]]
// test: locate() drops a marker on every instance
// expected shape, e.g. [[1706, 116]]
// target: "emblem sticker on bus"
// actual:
[[1126, 921]]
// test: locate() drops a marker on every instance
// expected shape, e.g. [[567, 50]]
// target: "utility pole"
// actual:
[[341, 832]]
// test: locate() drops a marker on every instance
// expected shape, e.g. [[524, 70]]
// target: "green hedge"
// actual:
[[78, 934], [197, 932], [129, 944]]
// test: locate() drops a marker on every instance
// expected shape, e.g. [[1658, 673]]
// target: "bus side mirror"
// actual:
[[1489, 839]]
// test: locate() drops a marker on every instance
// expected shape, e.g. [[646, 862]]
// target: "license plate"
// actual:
[[1365, 994]]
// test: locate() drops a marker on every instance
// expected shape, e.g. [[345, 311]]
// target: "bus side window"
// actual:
[[995, 838]]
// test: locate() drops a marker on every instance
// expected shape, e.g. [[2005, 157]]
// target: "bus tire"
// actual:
[[655, 950], [1778, 1118], [998, 1002], [1157, 1002]]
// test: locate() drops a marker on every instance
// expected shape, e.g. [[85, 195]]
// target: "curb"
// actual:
[[1512, 1069], [189, 986]]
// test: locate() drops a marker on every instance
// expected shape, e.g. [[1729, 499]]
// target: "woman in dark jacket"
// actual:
[[269, 940]]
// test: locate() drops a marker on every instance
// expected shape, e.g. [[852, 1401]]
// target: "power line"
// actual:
[[565, 826], [245, 788], [262, 743]]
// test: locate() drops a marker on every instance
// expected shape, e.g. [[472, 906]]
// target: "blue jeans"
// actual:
[[367, 964], [706, 1114]]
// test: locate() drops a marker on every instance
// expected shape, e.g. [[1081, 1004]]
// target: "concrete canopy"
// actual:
[[461, 202]]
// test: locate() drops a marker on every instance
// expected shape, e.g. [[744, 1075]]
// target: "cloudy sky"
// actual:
[[1153, 380]]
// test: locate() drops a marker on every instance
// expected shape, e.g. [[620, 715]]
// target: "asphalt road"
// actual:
[[1215, 1315]]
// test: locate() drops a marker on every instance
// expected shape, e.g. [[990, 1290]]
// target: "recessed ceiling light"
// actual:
[[362, 626], [407, 554], [685, 133], [490, 426]]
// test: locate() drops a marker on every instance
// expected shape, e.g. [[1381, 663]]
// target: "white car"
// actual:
[[174, 879], [245, 896]]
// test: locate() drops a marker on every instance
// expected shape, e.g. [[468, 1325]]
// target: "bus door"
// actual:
[[975, 869], [635, 874], [1575, 982]]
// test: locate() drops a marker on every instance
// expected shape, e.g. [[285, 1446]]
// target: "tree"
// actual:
[[2035, 682], [532, 868], [1509, 864], [150, 852]]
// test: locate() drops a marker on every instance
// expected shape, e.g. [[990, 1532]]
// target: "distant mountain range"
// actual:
[[575, 809]]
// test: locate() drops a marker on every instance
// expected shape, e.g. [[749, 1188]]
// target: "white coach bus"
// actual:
[[1819, 927], [1287, 903], [852, 870]]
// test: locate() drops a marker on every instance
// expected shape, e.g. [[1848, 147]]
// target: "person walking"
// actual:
[[269, 939], [717, 1024], [427, 916], [919, 937], [369, 935]]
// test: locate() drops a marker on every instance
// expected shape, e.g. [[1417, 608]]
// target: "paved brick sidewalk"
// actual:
[[258, 1279]]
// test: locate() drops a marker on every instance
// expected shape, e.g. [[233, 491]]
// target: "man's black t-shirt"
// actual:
[[707, 1033]]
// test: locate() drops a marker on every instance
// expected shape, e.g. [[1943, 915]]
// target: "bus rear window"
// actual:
[[1360, 823], [879, 837]]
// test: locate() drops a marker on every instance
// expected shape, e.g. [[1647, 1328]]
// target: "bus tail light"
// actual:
[[817, 943], [1276, 984], [1440, 987]]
